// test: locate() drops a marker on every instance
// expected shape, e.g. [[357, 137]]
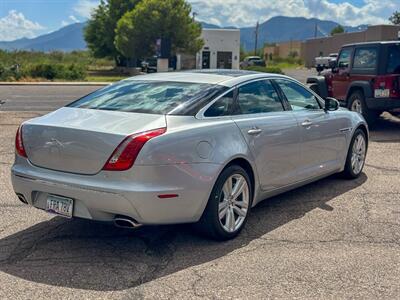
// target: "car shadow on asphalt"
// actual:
[[94, 256], [386, 129]]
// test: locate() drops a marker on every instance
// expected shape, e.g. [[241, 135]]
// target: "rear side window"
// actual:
[[365, 58], [393, 66], [344, 58], [258, 97], [152, 97], [222, 107]]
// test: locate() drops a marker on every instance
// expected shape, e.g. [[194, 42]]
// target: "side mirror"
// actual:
[[332, 63], [331, 104]]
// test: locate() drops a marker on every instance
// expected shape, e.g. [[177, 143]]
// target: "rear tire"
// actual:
[[224, 204], [357, 103], [356, 155]]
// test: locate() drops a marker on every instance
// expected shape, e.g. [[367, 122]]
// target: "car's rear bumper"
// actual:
[[103, 196], [383, 103]]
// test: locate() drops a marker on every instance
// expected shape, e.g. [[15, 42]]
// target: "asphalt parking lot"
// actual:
[[331, 239]]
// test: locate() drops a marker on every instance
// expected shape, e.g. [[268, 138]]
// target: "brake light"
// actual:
[[386, 87], [19, 144], [125, 154]]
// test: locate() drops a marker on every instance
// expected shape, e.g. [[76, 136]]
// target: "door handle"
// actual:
[[254, 131], [306, 123]]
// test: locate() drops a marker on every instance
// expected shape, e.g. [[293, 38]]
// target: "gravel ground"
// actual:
[[334, 239]]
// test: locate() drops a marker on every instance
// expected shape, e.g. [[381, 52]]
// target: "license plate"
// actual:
[[379, 93], [60, 206]]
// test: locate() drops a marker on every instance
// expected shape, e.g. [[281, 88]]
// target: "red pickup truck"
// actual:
[[364, 78]]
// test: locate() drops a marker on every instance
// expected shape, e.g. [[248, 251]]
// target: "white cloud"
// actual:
[[73, 19], [14, 26], [246, 13], [84, 7]]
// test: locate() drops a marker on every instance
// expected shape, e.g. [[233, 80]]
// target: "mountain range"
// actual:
[[276, 29], [67, 38]]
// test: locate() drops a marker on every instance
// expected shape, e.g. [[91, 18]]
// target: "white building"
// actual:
[[221, 49]]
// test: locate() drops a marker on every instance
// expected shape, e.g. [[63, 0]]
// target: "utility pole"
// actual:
[[256, 38], [315, 30]]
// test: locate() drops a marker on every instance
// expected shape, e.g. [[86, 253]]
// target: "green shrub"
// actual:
[[57, 71], [289, 60], [10, 73], [73, 72], [275, 70], [48, 71], [16, 65]]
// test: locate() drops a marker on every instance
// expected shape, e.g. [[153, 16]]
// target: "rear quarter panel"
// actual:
[[191, 140], [211, 141]]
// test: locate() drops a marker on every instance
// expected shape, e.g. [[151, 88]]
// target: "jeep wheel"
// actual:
[[357, 103]]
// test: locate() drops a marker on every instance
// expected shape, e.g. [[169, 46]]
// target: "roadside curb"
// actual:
[[2, 83]]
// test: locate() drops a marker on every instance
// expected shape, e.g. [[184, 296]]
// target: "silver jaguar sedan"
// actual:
[[188, 147]]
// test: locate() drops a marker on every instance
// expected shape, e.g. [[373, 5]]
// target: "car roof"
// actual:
[[224, 77], [372, 43]]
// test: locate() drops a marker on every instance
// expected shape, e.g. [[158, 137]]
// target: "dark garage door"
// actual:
[[224, 60]]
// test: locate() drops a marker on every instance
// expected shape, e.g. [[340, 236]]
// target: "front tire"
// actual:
[[357, 103], [228, 206], [356, 155]]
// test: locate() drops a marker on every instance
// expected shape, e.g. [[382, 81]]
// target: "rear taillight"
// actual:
[[386, 87], [126, 153], [19, 144]]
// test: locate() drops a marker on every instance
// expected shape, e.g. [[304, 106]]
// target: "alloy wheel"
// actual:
[[358, 154], [234, 203]]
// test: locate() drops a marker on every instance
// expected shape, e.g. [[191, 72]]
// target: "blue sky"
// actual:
[[29, 18]]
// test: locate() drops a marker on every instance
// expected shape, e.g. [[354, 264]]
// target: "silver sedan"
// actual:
[[189, 147]]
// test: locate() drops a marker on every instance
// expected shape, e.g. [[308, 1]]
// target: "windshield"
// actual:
[[152, 97], [393, 66]]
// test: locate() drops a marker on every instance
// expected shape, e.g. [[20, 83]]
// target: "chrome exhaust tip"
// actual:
[[126, 222]]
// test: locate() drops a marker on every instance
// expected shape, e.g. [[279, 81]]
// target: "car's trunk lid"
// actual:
[[80, 140]]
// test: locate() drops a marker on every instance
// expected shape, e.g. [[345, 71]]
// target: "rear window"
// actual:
[[393, 66], [365, 58], [151, 97]]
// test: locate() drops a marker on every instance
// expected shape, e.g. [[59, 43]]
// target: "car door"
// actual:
[[322, 141], [271, 133], [341, 74]]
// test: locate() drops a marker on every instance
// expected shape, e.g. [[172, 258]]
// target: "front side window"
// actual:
[[154, 97], [365, 58], [344, 58], [222, 107], [298, 97], [393, 66], [258, 97]]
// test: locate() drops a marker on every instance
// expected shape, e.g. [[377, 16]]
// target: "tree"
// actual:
[[337, 29], [395, 18], [138, 30], [100, 31]]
